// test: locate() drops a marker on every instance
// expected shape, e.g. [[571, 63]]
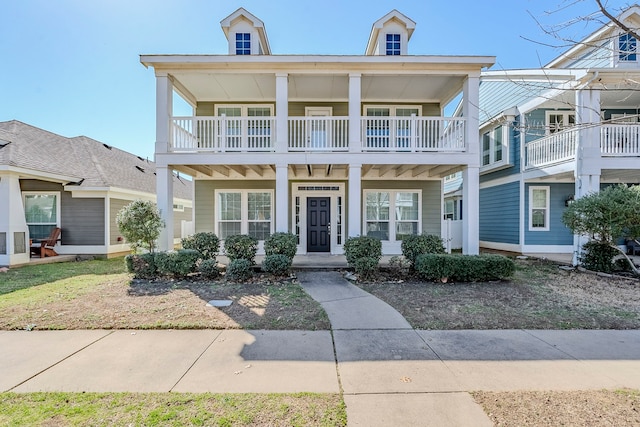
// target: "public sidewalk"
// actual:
[[389, 373]]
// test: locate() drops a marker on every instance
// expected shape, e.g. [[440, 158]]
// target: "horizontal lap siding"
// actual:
[[431, 200], [514, 155], [558, 233], [499, 213], [115, 205], [204, 201]]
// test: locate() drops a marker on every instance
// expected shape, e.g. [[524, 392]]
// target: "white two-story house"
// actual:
[[551, 135], [323, 146]]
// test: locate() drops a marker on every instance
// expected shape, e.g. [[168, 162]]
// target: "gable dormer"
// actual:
[[246, 34], [390, 35]]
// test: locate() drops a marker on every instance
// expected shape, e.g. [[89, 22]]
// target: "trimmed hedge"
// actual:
[[239, 270], [207, 244], [363, 254], [208, 268], [281, 244], [277, 264], [241, 246], [178, 263], [464, 268], [415, 245], [598, 256], [142, 266]]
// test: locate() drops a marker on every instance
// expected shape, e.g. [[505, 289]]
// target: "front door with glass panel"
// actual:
[[318, 128], [318, 224]]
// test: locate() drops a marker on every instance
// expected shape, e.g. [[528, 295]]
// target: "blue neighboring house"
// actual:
[[551, 135]]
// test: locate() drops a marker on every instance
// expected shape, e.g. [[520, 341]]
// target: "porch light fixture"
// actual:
[[569, 201]]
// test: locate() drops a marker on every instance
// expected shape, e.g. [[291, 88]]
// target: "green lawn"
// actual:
[[173, 409], [38, 274]]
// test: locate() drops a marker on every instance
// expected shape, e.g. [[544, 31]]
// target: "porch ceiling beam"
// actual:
[[419, 170], [437, 171], [241, 170], [366, 169], [384, 169], [187, 170], [328, 170], [404, 168], [310, 170], [451, 171], [205, 170], [273, 168], [257, 169], [222, 170], [294, 171]]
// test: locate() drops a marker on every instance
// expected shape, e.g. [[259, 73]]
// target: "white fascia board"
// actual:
[[186, 61], [534, 74], [35, 174]]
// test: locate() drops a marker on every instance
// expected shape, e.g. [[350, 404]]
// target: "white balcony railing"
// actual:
[[413, 134], [251, 134], [318, 134], [620, 140], [223, 134], [555, 148]]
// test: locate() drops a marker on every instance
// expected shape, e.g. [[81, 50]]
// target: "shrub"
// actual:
[[464, 268], [140, 224], [241, 246], [398, 267], [142, 266], [366, 267], [414, 245], [281, 244], [362, 247], [208, 268], [177, 264], [207, 244], [598, 256], [239, 270], [277, 264]]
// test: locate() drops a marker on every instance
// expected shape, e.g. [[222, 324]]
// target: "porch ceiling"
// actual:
[[610, 97], [244, 87], [319, 171], [627, 176]]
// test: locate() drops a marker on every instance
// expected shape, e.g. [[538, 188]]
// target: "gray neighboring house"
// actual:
[[78, 184]]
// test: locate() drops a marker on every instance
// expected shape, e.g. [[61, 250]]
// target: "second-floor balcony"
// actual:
[[317, 134], [616, 140]]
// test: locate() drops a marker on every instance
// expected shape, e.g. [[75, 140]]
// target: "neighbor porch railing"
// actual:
[[555, 148], [413, 134], [620, 140]]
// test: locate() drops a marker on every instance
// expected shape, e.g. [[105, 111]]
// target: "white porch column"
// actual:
[[470, 102], [282, 198], [471, 211], [12, 222], [164, 189], [282, 112], [588, 153], [164, 112], [355, 201], [355, 98]]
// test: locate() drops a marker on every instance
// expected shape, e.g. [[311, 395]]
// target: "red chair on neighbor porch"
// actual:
[[44, 247]]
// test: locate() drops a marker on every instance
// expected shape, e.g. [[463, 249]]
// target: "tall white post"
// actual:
[[355, 98], [164, 190], [355, 201], [164, 112], [12, 222], [588, 153], [471, 174], [282, 197], [282, 112]]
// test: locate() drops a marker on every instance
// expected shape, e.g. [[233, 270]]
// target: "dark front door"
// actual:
[[318, 220]]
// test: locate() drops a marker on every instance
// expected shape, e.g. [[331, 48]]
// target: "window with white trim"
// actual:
[[251, 123], [243, 43], [495, 147], [392, 215], [627, 48], [392, 44], [385, 133], [244, 212], [559, 120], [539, 208], [42, 213]]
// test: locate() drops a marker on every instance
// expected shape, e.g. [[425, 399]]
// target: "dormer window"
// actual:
[[243, 43], [393, 44], [627, 48]]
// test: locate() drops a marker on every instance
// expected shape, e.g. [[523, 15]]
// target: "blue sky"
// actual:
[[72, 66]]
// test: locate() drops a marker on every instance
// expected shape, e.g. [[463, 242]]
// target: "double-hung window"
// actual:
[[627, 48], [559, 120], [392, 44], [42, 213], [244, 212], [495, 150], [392, 215], [539, 208], [243, 43]]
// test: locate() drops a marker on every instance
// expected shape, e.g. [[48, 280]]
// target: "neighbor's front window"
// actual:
[[493, 146], [392, 215], [42, 213], [627, 48], [539, 208], [244, 212], [559, 120]]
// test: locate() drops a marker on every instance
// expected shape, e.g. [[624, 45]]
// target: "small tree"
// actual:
[[607, 216], [140, 224]]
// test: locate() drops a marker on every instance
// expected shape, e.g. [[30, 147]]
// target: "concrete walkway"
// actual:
[[389, 373]]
